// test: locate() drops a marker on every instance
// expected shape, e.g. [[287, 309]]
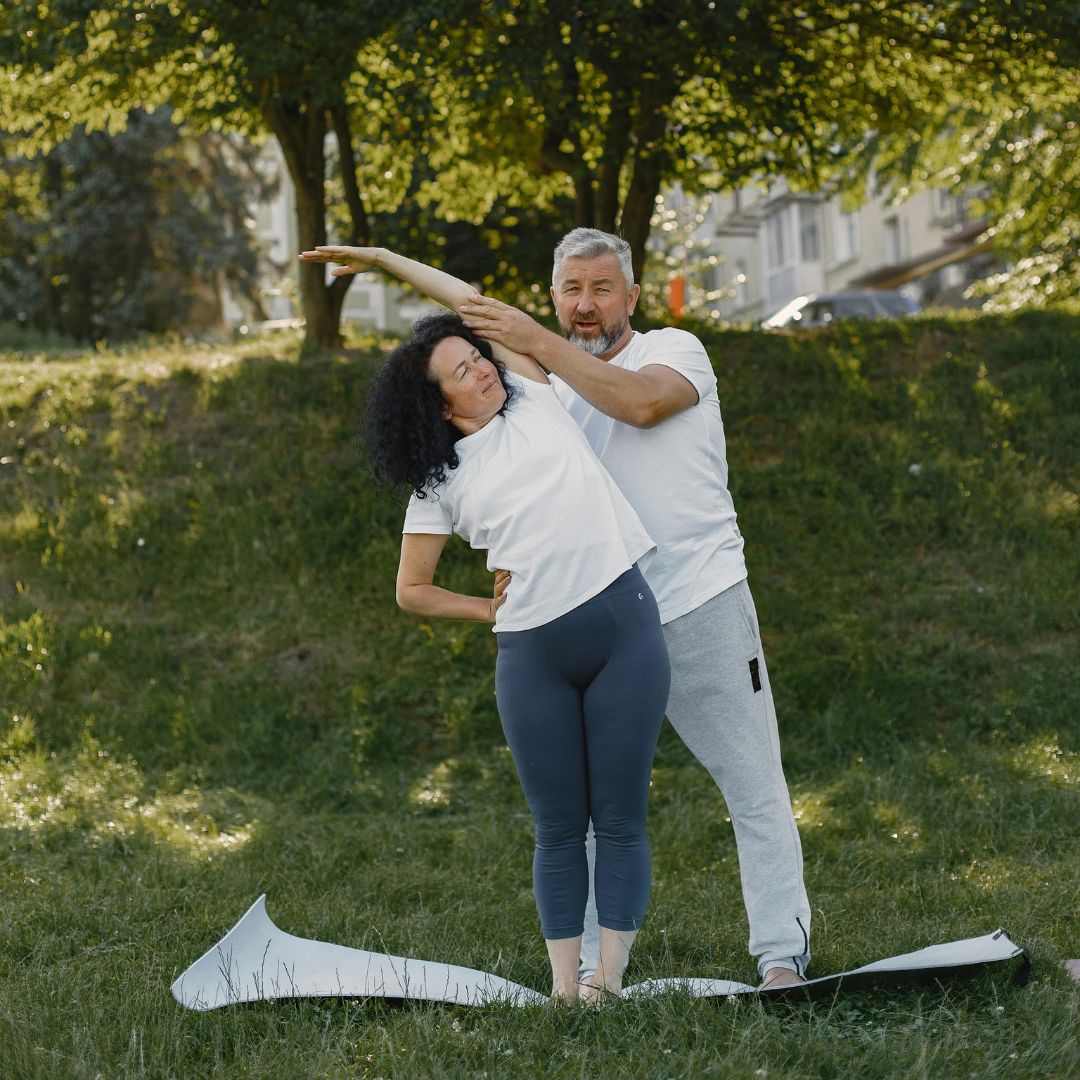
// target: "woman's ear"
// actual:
[[447, 413]]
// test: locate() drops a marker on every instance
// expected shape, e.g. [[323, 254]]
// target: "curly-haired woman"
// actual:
[[582, 675]]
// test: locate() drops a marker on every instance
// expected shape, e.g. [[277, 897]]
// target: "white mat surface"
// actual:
[[255, 961]]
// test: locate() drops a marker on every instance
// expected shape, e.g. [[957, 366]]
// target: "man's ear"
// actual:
[[551, 293], [635, 292]]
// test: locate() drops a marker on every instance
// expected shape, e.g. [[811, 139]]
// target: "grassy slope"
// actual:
[[215, 696]]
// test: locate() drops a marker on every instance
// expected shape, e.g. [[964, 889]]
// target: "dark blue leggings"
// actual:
[[581, 700]]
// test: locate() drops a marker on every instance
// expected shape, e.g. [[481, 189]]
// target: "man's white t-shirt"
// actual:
[[674, 475], [530, 491]]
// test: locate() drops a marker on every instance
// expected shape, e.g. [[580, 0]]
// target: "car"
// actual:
[[814, 310]]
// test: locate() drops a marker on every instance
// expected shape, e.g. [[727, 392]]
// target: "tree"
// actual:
[[284, 67], [106, 236], [619, 99], [505, 247], [463, 109], [1009, 139]]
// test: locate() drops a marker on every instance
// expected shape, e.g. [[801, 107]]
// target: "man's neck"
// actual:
[[618, 346]]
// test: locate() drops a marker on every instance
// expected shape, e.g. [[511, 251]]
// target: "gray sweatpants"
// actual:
[[721, 705]]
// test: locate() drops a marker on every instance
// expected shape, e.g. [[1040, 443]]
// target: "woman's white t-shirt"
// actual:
[[529, 490]]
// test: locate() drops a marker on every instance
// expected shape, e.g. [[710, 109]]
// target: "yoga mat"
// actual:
[[923, 965], [255, 961]]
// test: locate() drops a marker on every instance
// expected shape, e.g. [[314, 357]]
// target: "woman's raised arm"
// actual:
[[441, 287]]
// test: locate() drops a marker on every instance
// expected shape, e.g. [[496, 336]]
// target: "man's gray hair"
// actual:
[[591, 244]]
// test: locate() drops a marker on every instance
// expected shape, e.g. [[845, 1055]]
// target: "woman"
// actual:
[[582, 675]]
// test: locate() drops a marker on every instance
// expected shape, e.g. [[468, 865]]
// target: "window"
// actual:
[[809, 233], [776, 240], [845, 236], [944, 205], [894, 252], [779, 258]]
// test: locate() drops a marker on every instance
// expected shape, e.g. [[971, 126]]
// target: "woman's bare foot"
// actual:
[[593, 991], [563, 954], [605, 983]]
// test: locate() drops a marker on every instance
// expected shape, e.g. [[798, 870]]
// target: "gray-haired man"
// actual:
[[648, 405]]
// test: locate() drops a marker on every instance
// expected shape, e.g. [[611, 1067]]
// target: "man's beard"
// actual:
[[603, 342]]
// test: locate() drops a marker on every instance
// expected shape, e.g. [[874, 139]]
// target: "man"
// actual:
[[649, 407]]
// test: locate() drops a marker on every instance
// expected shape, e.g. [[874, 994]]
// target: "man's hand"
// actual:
[[498, 322], [356, 259], [502, 580]]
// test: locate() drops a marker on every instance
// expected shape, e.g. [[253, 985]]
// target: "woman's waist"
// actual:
[[632, 580], [538, 607]]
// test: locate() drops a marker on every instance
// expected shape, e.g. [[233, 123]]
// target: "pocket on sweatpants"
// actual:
[[749, 617]]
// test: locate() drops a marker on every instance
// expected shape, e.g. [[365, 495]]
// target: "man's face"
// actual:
[[594, 304]]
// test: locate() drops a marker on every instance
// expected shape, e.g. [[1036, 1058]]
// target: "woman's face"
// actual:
[[471, 388]]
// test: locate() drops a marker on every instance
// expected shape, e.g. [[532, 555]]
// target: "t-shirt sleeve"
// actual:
[[682, 352], [430, 515], [530, 388], [541, 396]]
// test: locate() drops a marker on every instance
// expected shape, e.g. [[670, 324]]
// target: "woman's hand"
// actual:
[[355, 259], [502, 580]]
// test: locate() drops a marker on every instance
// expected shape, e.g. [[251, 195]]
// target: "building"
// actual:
[[773, 245], [756, 249]]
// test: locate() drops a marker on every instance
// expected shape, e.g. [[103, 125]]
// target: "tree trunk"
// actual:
[[649, 161], [637, 211], [52, 318], [616, 144], [360, 233], [301, 133], [583, 195], [554, 159]]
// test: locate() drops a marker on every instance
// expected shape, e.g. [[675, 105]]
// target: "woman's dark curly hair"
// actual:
[[410, 442]]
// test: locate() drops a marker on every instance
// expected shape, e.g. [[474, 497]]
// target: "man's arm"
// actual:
[[640, 398], [441, 287]]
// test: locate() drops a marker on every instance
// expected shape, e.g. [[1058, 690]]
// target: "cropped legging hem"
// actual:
[[581, 700], [557, 933], [620, 924]]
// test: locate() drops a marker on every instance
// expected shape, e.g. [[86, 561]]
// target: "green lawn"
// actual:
[[206, 692]]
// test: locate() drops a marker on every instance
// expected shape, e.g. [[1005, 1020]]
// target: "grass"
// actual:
[[208, 693]]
